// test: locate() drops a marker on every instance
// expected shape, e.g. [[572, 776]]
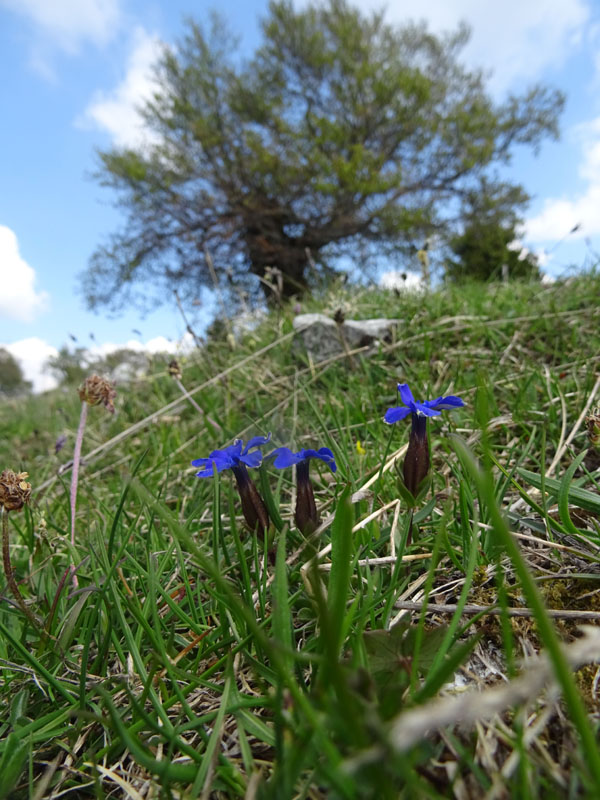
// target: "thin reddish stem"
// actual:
[[10, 578], [75, 479]]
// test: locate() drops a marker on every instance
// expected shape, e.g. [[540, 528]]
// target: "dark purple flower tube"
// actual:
[[306, 516], [253, 508], [416, 460]]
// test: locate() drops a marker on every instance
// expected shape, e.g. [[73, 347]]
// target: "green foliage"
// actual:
[[72, 367], [482, 252], [341, 132], [12, 381], [69, 366], [390, 659], [192, 662]]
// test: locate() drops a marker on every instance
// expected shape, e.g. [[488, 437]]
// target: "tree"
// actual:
[[486, 245], [72, 367], [482, 252], [12, 381], [343, 135], [69, 367]]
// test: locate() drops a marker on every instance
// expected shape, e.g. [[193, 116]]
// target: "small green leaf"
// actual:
[[12, 762], [282, 621], [563, 494], [389, 658], [18, 707], [582, 498], [341, 564], [430, 644]]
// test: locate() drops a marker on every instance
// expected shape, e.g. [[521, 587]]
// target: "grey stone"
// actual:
[[323, 338]]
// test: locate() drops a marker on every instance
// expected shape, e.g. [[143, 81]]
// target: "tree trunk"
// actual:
[[281, 267]]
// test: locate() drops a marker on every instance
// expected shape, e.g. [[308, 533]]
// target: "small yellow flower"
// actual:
[[360, 449]]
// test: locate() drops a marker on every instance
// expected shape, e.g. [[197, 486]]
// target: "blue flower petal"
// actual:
[[425, 410], [232, 452], [395, 414], [251, 459], [452, 401], [284, 457], [202, 462], [324, 454], [220, 463], [328, 458], [230, 456], [256, 441], [406, 394]]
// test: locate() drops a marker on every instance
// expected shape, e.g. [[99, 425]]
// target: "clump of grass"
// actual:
[[205, 656]]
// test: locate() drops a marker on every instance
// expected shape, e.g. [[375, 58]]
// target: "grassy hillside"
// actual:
[[194, 658]]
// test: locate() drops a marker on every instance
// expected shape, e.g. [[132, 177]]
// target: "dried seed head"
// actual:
[[593, 427], [95, 390], [174, 369], [15, 491]]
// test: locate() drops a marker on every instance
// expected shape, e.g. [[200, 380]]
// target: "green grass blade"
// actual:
[[546, 629], [582, 498], [341, 566]]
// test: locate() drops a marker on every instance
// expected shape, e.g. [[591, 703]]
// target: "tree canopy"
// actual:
[[12, 381], [487, 246], [483, 251], [343, 135]]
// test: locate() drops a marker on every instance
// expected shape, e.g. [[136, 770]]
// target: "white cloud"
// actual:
[[70, 23], [32, 355], [560, 216], [159, 344], [517, 40], [117, 111], [19, 299]]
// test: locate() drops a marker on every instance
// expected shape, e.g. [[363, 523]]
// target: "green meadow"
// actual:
[[444, 650]]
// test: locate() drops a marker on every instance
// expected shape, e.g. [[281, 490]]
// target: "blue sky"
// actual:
[[75, 69]]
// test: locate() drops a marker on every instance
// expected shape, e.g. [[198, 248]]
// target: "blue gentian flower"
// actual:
[[416, 461], [232, 456], [285, 458], [237, 458], [427, 408], [306, 516]]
